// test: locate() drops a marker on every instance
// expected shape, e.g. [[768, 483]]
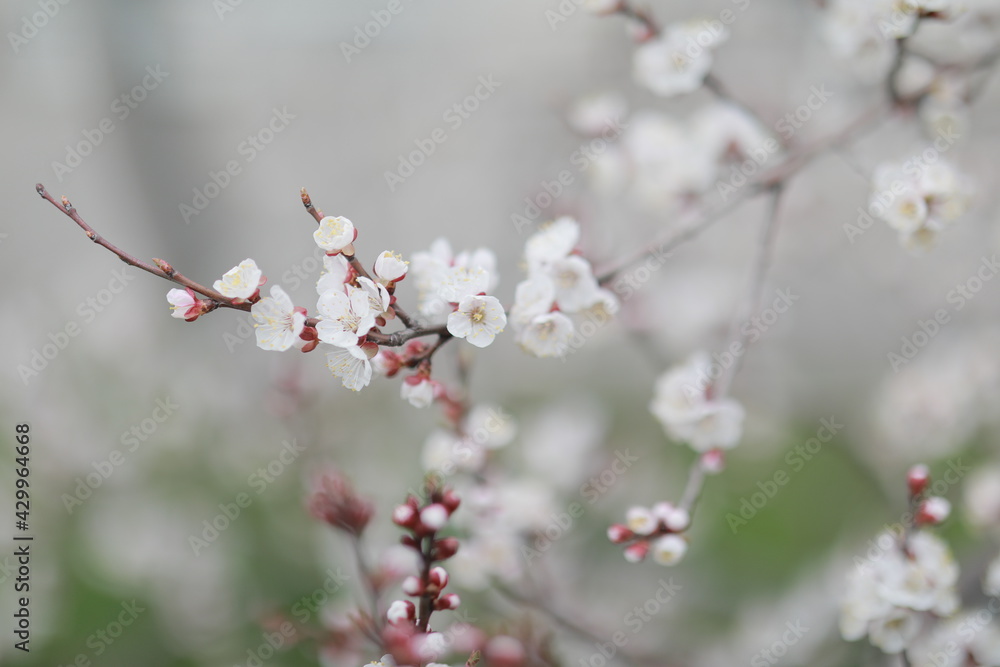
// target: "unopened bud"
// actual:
[[917, 479], [933, 511]]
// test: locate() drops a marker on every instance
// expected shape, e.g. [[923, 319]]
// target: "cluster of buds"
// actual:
[[408, 635], [657, 529], [928, 510], [335, 502]]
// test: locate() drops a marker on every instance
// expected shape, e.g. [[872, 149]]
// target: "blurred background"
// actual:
[[93, 362]]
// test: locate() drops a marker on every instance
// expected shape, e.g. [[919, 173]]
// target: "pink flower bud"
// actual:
[[450, 500], [434, 517], [438, 577], [445, 548], [634, 553], [404, 515], [917, 479], [412, 586], [713, 461], [447, 602], [617, 533], [933, 511], [401, 611]]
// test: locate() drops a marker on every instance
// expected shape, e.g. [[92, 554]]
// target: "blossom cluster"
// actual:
[[659, 530], [678, 60], [560, 283], [864, 32], [662, 162], [688, 410], [919, 200], [907, 579], [354, 306]]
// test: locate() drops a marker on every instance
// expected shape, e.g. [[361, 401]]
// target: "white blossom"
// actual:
[[547, 335], [682, 405], [390, 267], [277, 323], [478, 320], [532, 297], [335, 269], [886, 592], [334, 234], [378, 295], [418, 391], [183, 303], [552, 242], [669, 549], [351, 365], [241, 281], [678, 61], [346, 317], [576, 286]]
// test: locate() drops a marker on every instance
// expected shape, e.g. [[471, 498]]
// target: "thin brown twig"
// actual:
[[216, 299], [692, 490], [166, 271], [765, 254], [556, 617], [778, 174], [641, 15]]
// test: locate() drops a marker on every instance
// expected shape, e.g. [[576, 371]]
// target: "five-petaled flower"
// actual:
[[240, 282], [277, 322], [335, 234], [390, 267], [346, 317], [352, 365], [478, 320], [185, 304]]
